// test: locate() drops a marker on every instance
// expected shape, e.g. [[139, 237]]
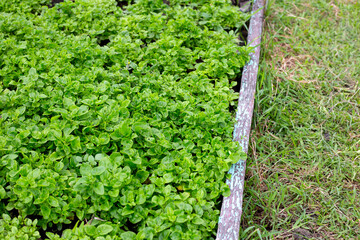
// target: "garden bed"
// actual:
[[115, 118]]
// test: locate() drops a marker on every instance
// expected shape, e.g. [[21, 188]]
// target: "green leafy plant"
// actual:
[[118, 113], [18, 228]]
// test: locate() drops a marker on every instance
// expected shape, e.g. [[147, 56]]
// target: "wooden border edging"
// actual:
[[231, 209]]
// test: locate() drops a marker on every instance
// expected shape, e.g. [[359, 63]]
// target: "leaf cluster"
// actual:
[[118, 113]]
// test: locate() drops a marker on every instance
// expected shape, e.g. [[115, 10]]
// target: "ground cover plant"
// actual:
[[303, 168], [114, 117]]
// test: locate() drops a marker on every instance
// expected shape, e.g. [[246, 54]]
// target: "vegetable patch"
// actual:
[[114, 117]]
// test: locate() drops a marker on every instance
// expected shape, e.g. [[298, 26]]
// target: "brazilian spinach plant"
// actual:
[[114, 117]]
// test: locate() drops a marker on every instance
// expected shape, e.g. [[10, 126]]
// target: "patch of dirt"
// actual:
[[103, 42], [303, 234], [327, 136], [123, 3], [259, 217]]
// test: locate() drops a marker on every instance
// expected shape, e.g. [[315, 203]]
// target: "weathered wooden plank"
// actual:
[[231, 210]]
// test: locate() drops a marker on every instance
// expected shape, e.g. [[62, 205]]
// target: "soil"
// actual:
[[303, 234]]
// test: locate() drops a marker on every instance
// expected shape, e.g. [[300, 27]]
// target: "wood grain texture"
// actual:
[[231, 210]]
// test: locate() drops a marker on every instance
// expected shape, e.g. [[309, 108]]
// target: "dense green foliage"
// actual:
[[9, 228], [116, 114]]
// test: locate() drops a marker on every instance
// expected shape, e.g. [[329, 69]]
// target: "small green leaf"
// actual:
[[28, 198], [2, 192], [125, 129], [32, 71], [10, 156], [168, 177], [181, 218], [126, 211], [198, 221], [122, 130], [53, 201], [104, 139], [104, 229], [99, 188], [99, 156], [116, 158], [45, 210], [142, 175], [140, 127], [35, 173], [76, 144], [98, 170], [58, 166], [90, 230], [141, 197], [114, 193], [85, 169], [68, 102], [226, 191], [128, 236]]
